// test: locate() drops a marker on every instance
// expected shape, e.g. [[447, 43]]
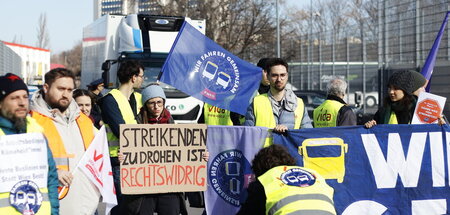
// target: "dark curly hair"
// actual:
[[128, 69], [270, 157], [271, 62]]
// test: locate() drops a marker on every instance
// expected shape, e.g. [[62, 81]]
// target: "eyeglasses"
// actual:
[[153, 104], [281, 76], [142, 76]]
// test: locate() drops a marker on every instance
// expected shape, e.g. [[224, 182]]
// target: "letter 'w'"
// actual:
[[386, 171]]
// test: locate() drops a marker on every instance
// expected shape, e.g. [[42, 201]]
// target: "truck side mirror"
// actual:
[[105, 77], [106, 66], [108, 78], [358, 98]]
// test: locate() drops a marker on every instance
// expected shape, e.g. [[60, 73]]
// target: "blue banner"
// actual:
[[428, 66], [199, 67], [388, 169], [231, 150]]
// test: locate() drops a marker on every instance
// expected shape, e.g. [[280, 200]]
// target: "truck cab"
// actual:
[[113, 39]]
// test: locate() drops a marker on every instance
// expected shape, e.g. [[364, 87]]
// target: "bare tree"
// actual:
[[336, 14], [243, 27], [43, 38], [71, 59]]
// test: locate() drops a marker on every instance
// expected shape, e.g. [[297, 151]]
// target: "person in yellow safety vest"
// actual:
[[121, 106], [334, 111], [281, 187], [279, 109], [403, 89], [14, 107], [69, 133], [213, 115]]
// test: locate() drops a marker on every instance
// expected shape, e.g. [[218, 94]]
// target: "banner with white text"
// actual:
[[388, 169]]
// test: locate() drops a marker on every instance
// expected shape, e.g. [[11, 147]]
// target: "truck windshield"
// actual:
[[153, 63], [151, 75]]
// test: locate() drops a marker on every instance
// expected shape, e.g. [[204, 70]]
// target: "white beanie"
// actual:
[[152, 91]]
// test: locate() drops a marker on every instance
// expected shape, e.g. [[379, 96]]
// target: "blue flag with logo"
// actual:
[[428, 67], [388, 169], [231, 150], [199, 67]]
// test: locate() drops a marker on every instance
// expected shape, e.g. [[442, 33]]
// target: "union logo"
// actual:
[[25, 197], [229, 173]]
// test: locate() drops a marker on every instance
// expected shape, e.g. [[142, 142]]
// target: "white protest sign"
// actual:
[[429, 108], [22, 157]]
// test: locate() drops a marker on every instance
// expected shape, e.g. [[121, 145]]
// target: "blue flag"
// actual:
[[428, 67], [201, 68], [231, 150], [388, 169]]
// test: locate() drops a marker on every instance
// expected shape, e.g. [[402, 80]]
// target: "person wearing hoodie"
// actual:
[[14, 107], [153, 112], [69, 133], [279, 109], [403, 89]]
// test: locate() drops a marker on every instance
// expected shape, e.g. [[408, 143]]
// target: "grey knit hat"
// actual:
[[152, 91], [407, 80]]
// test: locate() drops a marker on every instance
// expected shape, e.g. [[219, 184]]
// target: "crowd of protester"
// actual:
[[69, 118]]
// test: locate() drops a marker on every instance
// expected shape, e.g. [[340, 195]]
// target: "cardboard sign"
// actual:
[[162, 158], [23, 157], [428, 109]]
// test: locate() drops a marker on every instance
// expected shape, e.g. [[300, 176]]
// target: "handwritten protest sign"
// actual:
[[22, 157], [428, 109], [162, 158]]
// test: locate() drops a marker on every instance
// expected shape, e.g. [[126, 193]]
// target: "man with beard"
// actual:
[[14, 120], [279, 109], [69, 133]]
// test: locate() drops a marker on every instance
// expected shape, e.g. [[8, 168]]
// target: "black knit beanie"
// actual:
[[262, 63], [418, 80], [10, 83], [407, 80]]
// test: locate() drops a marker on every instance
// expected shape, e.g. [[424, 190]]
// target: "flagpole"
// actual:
[[74, 170], [428, 66], [278, 30]]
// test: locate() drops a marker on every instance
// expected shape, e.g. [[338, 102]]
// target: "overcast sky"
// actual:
[[65, 20]]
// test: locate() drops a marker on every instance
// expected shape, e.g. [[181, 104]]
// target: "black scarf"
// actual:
[[403, 110]]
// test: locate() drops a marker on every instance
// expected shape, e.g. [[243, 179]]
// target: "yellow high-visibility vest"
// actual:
[[5, 206], [326, 114], [262, 109], [284, 195], [216, 116], [127, 116], [393, 118]]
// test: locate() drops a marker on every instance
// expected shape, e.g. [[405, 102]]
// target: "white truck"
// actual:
[[113, 39]]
